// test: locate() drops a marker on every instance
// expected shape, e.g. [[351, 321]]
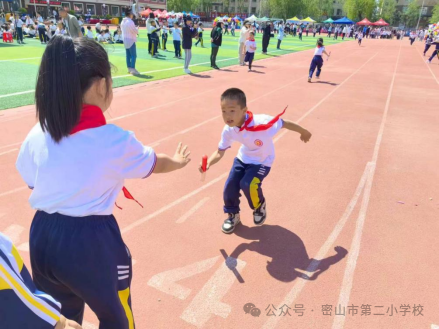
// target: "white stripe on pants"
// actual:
[[187, 58], [241, 54]]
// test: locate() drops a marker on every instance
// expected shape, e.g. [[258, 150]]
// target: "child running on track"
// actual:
[[255, 157], [317, 61], [360, 38], [250, 48], [436, 51], [76, 165]]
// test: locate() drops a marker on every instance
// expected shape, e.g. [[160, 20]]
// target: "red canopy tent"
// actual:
[[157, 13], [164, 14], [364, 22], [146, 12], [380, 22]]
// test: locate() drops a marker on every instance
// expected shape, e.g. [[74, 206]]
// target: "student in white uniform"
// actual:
[[280, 36], [255, 156], [317, 61], [76, 165]]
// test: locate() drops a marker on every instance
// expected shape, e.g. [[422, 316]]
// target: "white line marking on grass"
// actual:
[[155, 71], [348, 278], [19, 59], [191, 211]]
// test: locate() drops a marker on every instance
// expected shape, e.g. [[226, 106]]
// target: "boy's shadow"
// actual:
[[287, 251], [202, 76], [258, 72], [327, 83], [143, 76]]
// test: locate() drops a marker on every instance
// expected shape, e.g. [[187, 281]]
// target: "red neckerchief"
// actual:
[[262, 126], [92, 117]]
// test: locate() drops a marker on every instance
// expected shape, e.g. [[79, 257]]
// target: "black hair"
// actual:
[[235, 94], [320, 43], [128, 12], [68, 69], [89, 27]]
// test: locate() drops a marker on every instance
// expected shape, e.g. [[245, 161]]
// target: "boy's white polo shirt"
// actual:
[[83, 174], [257, 146]]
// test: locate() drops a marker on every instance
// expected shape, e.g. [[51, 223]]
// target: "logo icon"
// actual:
[[252, 309], [258, 142]]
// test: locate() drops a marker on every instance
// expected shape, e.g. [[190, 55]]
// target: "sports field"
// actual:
[[22, 62], [350, 240]]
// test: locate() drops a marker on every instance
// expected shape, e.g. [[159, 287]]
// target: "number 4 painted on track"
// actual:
[[208, 300]]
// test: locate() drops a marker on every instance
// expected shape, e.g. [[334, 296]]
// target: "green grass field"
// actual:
[[19, 63]]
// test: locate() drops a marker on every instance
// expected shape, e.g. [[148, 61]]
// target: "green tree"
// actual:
[[241, 6], [359, 9], [387, 10], [435, 18], [412, 14]]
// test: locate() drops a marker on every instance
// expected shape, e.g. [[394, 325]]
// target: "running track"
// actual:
[[374, 120]]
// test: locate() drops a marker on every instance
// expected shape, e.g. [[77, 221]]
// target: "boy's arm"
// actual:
[[214, 158], [305, 135]]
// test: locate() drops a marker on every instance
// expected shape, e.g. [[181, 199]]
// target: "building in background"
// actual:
[[426, 9]]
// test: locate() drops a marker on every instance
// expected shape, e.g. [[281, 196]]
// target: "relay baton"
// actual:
[[203, 167], [328, 56]]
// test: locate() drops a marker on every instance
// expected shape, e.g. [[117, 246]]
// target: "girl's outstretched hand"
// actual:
[[182, 155]]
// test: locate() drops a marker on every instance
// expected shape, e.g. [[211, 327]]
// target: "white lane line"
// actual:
[[19, 93], [6, 146], [167, 281], [191, 211], [195, 192], [300, 284], [10, 151], [297, 288], [14, 190], [351, 263], [428, 65], [13, 232]]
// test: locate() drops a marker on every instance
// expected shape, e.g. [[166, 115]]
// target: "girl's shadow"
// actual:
[[287, 251]]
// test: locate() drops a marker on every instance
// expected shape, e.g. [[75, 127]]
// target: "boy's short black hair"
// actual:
[[235, 94]]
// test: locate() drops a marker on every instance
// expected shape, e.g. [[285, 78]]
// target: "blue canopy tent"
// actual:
[[237, 18], [195, 16], [344, 20]]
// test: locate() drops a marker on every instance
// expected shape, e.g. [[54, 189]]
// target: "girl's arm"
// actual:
[[167, 164], [214, 158], [305, 135], [324, 51]]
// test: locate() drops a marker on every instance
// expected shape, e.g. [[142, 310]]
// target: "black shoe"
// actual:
[[230, 223], [216, 67], [260, 214]]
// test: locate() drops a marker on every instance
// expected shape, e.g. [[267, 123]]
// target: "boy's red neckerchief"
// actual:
[[261, 127], [92, 117]]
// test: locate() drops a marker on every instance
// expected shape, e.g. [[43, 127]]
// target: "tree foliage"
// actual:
[[359, 9], [303, 8], [411, 16], [435, 17]]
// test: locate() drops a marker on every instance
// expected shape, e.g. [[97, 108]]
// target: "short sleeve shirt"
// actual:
[[84, 173], [257, 147]]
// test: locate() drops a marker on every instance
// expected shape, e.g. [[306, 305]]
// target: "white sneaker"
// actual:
[[428, 62], [135, 72], [230, 223], [130, 70], [187, 71]]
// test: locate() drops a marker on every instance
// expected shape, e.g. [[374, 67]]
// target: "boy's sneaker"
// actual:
[[187, 71], [260, 214], [309, 79], [317, 77], [230, 223], [428, 62]]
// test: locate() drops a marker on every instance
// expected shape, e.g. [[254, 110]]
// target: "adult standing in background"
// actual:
[[71, 24], [216, 40], [188, 32], [245, 32], [129, 32], [266, 37]]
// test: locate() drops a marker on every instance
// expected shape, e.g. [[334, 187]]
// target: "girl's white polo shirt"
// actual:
[[257, 146], [84, 173]]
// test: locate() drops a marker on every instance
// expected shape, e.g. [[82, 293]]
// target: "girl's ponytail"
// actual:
[[68, 69]]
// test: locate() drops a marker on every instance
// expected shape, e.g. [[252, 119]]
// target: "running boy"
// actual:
[[317, 61], [255, 157], [250, 48]]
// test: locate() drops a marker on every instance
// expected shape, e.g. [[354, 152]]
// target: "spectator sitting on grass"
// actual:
[[118, 36], [101, 37], [89, 33], [108, 37]]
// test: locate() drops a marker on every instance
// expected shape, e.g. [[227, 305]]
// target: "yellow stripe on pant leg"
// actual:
[[123, 296], [254, 192]]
